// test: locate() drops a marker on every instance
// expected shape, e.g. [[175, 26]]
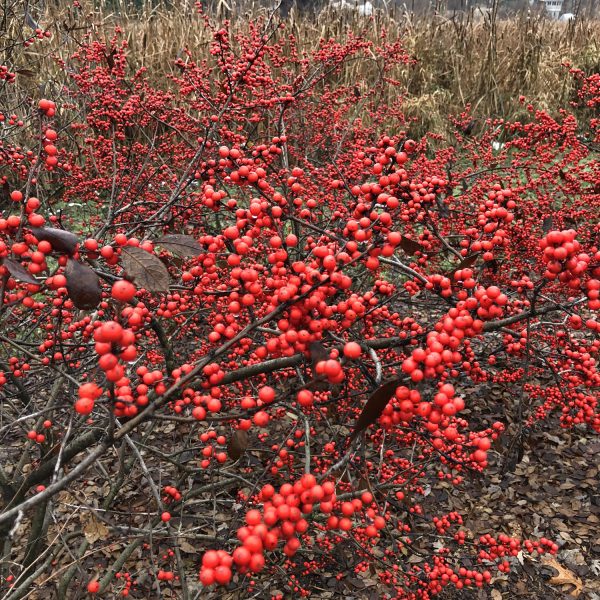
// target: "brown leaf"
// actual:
[[374, 406], [317, 353], [467, 261], [5, 194], [186, 547], [25, 72], [564, 576], [493, 265], [145, 269], [60, 239], [410, 246], [180, 245], [83, 285], [110, 58], [19, 272], [93, 528], [237, 445]]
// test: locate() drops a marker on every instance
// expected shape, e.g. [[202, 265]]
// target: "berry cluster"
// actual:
[[281, 518], [88, 394], [563, 257], [47, 107]]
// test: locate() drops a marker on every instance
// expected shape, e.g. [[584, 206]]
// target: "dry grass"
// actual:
[[459, 61]]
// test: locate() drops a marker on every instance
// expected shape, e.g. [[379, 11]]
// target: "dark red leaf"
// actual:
[[493, 265], [110, 59], [238, 444], [83, 285], [374, 406], [467, 261], [59, 239], [19, 272], [5, 193], [317, 353], [410, 246]]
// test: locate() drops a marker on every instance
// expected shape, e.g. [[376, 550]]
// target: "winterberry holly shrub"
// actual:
[[246, 296]]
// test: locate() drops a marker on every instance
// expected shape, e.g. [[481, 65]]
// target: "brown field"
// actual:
[[487, 63]]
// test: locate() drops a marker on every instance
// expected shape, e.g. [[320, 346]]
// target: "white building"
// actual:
[[553, 8]]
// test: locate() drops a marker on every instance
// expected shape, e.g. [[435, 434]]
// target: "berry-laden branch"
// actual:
[[283, 312]]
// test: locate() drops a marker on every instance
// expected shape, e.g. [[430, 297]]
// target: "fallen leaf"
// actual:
[[468, 261], [547, 224], [410, 246], [186, 547], [93, 528], [564, 577]]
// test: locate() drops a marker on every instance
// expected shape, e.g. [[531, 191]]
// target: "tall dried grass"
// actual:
[[461, 60]]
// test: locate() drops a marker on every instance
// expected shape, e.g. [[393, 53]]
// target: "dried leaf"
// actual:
[[410, 246], [110, 58], [374, 406], [186, 547], [60, 239], [238, 443], [30, 21], [19, 272], [83, 285], [93, 528], [145, 269], [493, 265], [5, 193], [564, 576], [467, 261], [317, 353], [180, 245]]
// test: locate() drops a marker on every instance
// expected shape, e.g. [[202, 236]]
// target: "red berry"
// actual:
[[253, 517], [207, 576], [267, 394], [84, 406], [242, 556], [253, 543], [352, 350], [210, 559], [123, 290], [305, 398], [110, 331], [222, 575], [257, 563]]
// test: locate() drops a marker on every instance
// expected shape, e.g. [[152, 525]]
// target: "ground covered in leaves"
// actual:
[[552, 492], [549, 489]]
